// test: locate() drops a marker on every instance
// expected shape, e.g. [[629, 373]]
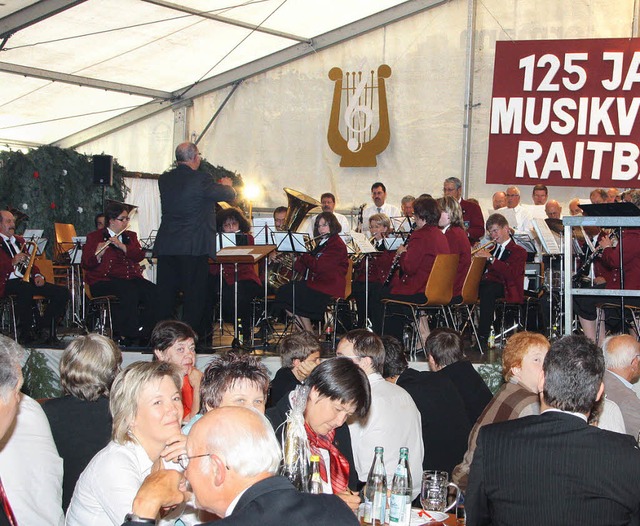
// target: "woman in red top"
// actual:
[[416, 261], [379, 265], [452, 226], [324, 272]]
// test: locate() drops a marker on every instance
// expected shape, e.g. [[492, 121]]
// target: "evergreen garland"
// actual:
[[54, 185]]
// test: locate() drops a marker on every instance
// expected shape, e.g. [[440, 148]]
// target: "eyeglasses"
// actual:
[[122, 219], [183, 460]]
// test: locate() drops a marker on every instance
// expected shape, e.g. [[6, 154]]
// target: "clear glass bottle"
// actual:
[[375, 494], [491, 343], [315, 482], [401, 488]]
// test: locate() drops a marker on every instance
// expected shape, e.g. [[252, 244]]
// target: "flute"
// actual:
[[109, 242]]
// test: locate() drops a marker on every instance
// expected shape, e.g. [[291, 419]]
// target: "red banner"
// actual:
[[565, 113]]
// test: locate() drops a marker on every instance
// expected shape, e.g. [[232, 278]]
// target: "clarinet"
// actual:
[[396, 261]]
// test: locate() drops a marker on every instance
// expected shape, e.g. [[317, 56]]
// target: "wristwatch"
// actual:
[[132, 517]]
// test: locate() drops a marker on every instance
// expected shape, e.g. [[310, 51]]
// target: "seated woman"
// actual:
[[80, 421], [521, 367], [416, 260], [111, 262], [231, 220], [299, 354], [232, 380], [147, 413], [452, 227], [339, 389], [324, 270], [379, 265], [175, 342]]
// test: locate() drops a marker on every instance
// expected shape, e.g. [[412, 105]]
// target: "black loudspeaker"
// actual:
[[103, 170]]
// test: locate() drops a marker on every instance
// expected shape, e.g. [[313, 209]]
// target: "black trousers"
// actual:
[[489, 292], [24, 291], [132, 294], [398, 315], [375, 313], [189, 275]]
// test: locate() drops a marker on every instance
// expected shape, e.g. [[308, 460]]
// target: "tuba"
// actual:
[[299, 205]]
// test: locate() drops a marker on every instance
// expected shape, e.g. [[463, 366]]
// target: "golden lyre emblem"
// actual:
[[367, 133]]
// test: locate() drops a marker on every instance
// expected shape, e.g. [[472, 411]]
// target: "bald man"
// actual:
[[574, 207], [232, 460], [553, 209], [499, 200], [622, 359]]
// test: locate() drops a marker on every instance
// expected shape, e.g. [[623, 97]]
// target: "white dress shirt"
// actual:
[[105, 491], [31, 468], [387, 209], [393, 422]]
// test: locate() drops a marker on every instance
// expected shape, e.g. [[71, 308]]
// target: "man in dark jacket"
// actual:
[[187, 235]]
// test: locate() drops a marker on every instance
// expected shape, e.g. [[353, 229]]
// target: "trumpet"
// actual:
[[24, 267], [312, 244], [109, 242], [487, 246]]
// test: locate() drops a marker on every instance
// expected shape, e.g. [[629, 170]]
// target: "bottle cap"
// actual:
[[314, 458]]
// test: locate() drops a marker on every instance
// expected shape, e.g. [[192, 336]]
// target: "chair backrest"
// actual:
[[46, 269], [439, 289], [472, 281], [65, 233], [349, 275]]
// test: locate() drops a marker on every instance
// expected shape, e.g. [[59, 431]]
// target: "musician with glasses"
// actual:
[[379, 265], [13, 263], [504, 274], [415, 261], [111, 262], [323, 272]]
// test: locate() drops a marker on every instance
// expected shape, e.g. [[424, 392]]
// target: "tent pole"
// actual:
[[468, 95]]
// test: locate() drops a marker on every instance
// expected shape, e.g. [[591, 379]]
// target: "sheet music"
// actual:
[[262, 228], [392, 243], [546, 237], [290, 241], [363, 243]]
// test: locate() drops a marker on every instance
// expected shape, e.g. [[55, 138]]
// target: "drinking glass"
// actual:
[[435, 490]]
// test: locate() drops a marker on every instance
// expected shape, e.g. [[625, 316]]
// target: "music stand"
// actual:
[[623, 209], [366, 248], [75, 259], [262, 228], [236, 255], [296, 243]]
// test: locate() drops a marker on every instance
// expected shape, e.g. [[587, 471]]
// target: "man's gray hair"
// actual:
[[455, 181], [186, 152], [246, 451], [10, 370], [618, 355], [407, 199]]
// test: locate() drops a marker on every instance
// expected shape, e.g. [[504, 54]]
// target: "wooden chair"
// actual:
[[65, 233], [439, 291], [469, 301]]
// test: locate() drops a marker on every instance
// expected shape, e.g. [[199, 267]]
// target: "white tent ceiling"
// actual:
[[71, 70]]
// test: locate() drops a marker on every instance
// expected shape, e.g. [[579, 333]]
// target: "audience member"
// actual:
[[232, 379], [10, 385], [175, 342], [622, 358], [80, 420], [393, 420], [299, 354], [521, 365], [445, 425], [555, 469], [30, 466], [445, 352], [338, 390], [147, 413], [231, 464]]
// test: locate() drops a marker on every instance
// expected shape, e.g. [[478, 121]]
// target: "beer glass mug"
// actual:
[[435, 489]]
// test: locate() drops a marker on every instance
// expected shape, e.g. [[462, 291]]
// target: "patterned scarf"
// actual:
[[338, 464]]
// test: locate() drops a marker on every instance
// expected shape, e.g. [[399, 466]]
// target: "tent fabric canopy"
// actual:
[[90, 61]]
